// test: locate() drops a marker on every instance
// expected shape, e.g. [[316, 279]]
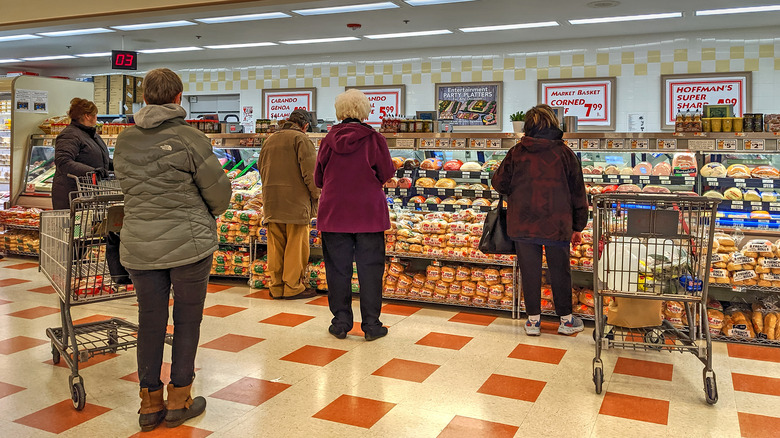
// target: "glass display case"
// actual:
[[40, 170], [5, 142]]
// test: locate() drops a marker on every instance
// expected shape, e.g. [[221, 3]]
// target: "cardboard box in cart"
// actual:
[[635, 313]]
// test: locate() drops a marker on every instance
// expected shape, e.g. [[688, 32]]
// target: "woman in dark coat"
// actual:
[[77, 150], [546, 207]]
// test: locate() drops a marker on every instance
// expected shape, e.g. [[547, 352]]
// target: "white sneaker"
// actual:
[[533, 329], [571, 327]]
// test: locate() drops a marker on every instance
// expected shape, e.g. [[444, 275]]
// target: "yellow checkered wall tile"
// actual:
[[351, 70], [193, 77], [268, 74], [530, 62], [284, 73], [615, 69], [465, 65], [509, 63], [236, 75], [627, 57], [653, 56], [426, 67], [406, 69], [360, 81], [397, 79], [590, 71], [416, 78], [276, 83], [229, 86], [737, 52], [252, 75], [498, 75], [326, 82], [708, 54], [199, 86], [519, 74], [777, 63], [554, 60], [766, 51], [751, 64], [722, 65], [206, 77], [308, 82], [221, 76], [640, 69], [667, 68], [542, 73], [694, 66], [487, 64], [602, 58], [476, 76], [244, 85], [578, 59], [680, 54], [566, 72], [186, 86], [446, 66], [455, 77]]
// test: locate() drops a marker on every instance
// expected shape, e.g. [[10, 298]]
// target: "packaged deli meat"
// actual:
[[655, 189], [643, 168], [738, 171], [684, 164], [662, 169], [765, 172], [713, 170]]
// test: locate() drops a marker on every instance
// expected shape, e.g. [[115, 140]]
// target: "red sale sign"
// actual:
[[591, 101], [385, 101], [690, 94], [280, 104]]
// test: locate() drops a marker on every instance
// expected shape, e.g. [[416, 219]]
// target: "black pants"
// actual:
[[153, 288], [529, 260], [368, 251]]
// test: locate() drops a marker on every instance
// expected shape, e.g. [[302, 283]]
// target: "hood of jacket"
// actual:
[[349, 136], [542, 140], [152, 116]]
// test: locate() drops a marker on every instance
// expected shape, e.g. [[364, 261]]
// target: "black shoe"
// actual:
[[339, 333], [381, 332], [149, 422], [307, 293], [178, 416]]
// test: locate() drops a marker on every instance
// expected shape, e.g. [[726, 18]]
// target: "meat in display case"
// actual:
[[40, 170]]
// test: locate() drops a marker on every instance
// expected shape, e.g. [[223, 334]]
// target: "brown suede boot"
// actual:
[[181, 406], [152, 409]]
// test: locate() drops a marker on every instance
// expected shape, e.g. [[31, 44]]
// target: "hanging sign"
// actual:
[[592, 101], [691, 92], [280, 103], [385, 101], [474, 106]]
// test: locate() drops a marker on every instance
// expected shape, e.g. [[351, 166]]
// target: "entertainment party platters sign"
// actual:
[[591, 100], [470, 106], [386, 100], [279, 103], [690, 92]]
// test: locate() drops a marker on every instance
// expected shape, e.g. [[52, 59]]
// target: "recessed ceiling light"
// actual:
[[94, 55], [603, 4], [171, 49], [159, 25], [320, 40], [509, 26], [49, 58], [72, 32], [739, 10], [345, 9], [627, 18], [237, 18], [433, 2], [408, 34], [25, 36], [241, 45], [10, 60]]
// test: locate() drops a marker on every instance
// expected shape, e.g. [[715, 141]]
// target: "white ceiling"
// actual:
[[451, 16]]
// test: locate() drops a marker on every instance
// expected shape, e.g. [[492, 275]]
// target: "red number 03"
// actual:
[[124, 59]]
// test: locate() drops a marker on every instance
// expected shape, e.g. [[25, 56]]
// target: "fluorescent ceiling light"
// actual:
[[49, 58], [72, 32], [236, 18], [739, 10], [345, 9], [26, 36], [433, 2], [320, 40], [627, 18], [171, 49], [10, 60], [408, 34], [509, 26], [94, 55], [241, 45], [159, 25]]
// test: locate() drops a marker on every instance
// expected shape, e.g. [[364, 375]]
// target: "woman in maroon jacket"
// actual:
[[353, 164], [547, 207]]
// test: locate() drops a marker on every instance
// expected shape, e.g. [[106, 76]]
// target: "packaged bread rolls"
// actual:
[[770, 326], [447, 274], [715, 318], [758, 321], [492, 276], [463, 273], [477, 274], [433, 272]]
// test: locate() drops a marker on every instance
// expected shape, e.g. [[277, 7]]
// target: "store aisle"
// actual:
[[269, 368]]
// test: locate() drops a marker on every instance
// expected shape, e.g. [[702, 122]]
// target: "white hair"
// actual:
[[352, 104]]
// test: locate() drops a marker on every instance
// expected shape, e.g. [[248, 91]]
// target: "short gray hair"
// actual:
[[352, 104]]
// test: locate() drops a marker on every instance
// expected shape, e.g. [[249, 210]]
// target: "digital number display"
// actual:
[[124, 60]]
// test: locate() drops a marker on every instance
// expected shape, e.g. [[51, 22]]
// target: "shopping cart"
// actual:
[[73, 258], [92, 184], [653, 248]]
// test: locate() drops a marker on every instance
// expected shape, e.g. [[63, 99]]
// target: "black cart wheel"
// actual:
[[654, 336], [711, 389], [113, 339], [78, 396], [55, 355], [598, 378]]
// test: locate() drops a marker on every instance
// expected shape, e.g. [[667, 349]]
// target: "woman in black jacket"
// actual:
[[77, 150]]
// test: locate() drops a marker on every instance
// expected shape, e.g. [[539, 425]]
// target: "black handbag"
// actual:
[[495, 239]]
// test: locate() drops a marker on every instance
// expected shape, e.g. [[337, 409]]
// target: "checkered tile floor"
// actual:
[[269, 368]]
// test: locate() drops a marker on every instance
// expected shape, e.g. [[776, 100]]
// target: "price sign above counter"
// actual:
[[386, 100], [754, 145], [667, 143], [690, 92], [592, 101], [279, 103]]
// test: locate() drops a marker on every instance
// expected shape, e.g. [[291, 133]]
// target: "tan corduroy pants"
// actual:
[[288, 255]]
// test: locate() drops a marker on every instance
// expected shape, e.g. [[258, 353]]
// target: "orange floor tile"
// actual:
[[60, 417], [635, 408], [94, 360], [19, 343], [232, 343], [443, 340], [214, 288], [182, 431], [12, 281], [5, 302], [756, 384], [461, 427], [758, 426], [644, 368], [538, 353], [319, 301], [250, 391], [512, 387], [93, 318], [35, 312], [355, 411], [7, 389], [287, 319], [400, 309], [406, 370], [43, 290], [313, 355], [20, 266], [263, 294], [473, 318], [754, 352], [221, 311]]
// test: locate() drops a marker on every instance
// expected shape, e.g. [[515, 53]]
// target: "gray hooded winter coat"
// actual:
[[173, 186]]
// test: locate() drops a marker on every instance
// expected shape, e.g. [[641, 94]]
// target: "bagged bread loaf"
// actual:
[[768, 172], [738, 171], [770, 326], [713, 170]]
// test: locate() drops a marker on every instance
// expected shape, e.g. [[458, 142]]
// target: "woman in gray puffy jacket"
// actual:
[[173, 186]]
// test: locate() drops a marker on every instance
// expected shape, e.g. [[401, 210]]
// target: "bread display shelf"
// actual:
[[448, 207], [230, 276], [466, 193], [402, 255], [20, 227], [751, 341], [22, 253], [446, 303], [756, 183], [641, 179], [408, 173], [455, 174], [400, 192], [766, 290]]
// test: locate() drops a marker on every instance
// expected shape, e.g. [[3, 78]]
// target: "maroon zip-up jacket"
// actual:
[[542, 178]]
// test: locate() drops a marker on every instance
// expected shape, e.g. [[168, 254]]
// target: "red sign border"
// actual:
[[595, 84], [671, 84], [398, 100]]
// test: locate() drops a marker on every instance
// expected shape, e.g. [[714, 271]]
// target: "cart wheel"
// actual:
[[711, 389], [598, 378], [113, 339], [55, 355], [78, 396], [654, 337]]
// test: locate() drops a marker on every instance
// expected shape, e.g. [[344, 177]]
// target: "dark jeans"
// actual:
[[529, 260], [368, 251], [152, 289]]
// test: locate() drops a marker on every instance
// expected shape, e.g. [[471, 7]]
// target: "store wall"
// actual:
[[636, 61]]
